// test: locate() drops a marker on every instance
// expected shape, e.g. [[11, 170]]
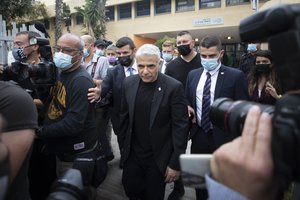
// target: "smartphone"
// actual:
[[194, 167]]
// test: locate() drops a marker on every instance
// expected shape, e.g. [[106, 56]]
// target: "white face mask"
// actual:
[[62, 61], [210, 63]]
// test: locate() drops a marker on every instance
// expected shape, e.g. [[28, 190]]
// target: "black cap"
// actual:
[[99, 42]]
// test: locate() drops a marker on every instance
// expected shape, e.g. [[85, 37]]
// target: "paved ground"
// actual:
[[111, 188]]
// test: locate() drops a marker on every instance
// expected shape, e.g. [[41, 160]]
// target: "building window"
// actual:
[[79, 19], [110, 13], [185, 5], [210, 3], [162, 6], [143, 8], [125, 11], [236, 2]]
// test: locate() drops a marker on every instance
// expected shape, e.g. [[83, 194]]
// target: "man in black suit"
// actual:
[[111, 87], [154, 128], [179, 68], [204, 85]]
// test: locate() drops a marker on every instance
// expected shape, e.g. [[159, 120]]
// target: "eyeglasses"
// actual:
[[66, 50]]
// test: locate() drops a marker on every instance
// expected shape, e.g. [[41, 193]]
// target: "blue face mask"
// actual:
[[251, 47], [167, 57], [99, 52], [62, 61], [210, 64], [85, 53]]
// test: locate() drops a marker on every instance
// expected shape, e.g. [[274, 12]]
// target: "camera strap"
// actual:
[[94, 67]]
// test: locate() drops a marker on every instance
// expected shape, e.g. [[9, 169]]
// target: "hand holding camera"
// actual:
[[250, 157]]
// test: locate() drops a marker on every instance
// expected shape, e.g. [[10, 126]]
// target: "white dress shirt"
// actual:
[[134, 69], [199, 91]]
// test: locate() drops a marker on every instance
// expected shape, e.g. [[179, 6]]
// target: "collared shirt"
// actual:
[[164, 66], [199, 91], [101, 67], [134, 67]]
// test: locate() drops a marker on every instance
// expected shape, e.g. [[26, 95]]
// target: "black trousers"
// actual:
[[202, 143], [142, 179], [102, 120], [41, 172]]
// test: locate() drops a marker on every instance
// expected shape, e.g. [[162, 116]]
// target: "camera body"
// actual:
[[280, 26], [31, 77]]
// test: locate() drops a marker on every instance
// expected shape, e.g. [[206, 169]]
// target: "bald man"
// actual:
[[69, 129]]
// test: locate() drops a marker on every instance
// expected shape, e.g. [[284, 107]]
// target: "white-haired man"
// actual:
[[154, 138]]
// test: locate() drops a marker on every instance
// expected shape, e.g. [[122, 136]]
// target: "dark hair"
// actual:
[[272, 77], [123, 41], [211, 41], [264, 53], [30, 34], [181, 33]]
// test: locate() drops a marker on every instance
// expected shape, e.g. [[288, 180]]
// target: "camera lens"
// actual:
[[230, 115]]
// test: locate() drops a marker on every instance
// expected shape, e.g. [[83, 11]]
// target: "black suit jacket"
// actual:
[[113, 83], [231, 83], [168, 120]]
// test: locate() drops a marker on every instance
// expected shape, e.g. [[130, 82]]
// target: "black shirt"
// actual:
[[179, 68], [19, 112], [141, 128], [70, 125]]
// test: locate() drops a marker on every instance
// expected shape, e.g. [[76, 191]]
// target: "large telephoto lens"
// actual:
[[230, 115]]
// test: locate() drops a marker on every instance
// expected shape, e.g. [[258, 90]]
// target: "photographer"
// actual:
[[25, 54]]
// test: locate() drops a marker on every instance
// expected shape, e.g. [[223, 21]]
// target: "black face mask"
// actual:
[[125, 60], [262, 68], [184, 49]]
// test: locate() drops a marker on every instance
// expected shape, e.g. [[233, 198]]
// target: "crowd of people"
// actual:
[[153, 100]]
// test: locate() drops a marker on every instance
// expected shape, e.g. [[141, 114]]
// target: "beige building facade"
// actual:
[[149, 20], [146, 21]]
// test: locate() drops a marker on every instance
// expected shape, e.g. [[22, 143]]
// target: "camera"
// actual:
[[68, 187], [230, 115], [43, 73], [280, 26], [35, 78]]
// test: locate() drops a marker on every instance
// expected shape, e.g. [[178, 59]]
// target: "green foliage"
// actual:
[[66, 15], [10, 10], [159, 42], [66, 10], [94, 17], [38, 11]]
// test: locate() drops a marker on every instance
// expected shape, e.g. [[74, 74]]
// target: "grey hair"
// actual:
[[111, 47], [148, 49]]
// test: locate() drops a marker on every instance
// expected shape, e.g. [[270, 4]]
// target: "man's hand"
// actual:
[[94, 93], [171, 175], [246, 164], [192, 114]]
